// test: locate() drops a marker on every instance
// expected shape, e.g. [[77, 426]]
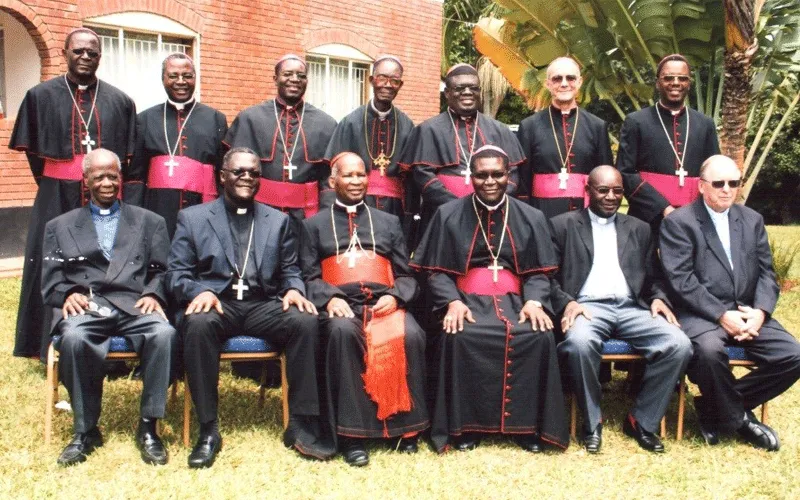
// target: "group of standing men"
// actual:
[[306, 246]]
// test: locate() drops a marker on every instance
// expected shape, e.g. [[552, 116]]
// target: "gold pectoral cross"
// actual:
[[382, 162]]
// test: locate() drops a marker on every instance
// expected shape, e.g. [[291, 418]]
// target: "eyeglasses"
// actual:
[[557, 79], [297, 74], [239, 172], [482, 176], [604, 190], [176, 76], [89, 52], [396, 83], [672, 78], [733, 184], [475, 89]]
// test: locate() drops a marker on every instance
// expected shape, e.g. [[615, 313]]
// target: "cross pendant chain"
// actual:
[[240, 288], [494, 268], [681, 173], [382, 162], [563, 177], [290, 168], [88, 142], [171, 164]]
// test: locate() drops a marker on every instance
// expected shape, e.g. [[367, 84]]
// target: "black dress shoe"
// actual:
[[354, 452], [408, 445], [646, 439], [205, 451], [465, 442], [150, 446], [593, 441], [530, 442], [709, 434], [82, 445], [758, 434]]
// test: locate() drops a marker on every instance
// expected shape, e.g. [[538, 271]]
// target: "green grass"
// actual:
[[254, 464]]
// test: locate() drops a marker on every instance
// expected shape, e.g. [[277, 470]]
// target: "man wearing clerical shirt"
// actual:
[[356, 269], [233, 270], [489, 257], [610, 285], [103, 274]]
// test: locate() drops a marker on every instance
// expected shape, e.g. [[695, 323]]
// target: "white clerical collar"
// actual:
[[351, 209], [241, 211], [673, 112], [491, 208], [465, 118], [596, 219], [568, 112], [381, 114], [83, 88], [716, 215], [180, 105]]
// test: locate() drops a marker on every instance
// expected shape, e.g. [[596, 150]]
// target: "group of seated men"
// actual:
[[521, 264]]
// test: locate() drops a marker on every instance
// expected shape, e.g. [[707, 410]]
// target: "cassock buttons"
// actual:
[[508, 387], [508, 400], [506, 414], [508, 375], [508, 362]]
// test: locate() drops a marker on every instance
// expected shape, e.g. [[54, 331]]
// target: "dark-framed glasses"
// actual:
[[483, 176], [396, 83], [240, 172], [604, 190], [89, 52], [733, 184], [460, 89]]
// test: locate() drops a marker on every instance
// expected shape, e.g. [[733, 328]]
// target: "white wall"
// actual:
[[23, 66]]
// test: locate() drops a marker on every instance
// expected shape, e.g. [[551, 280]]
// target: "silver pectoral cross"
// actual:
[[289, 168], [171, 164], [563, 177], [351, 255], [681, 173], [240, 288], [466, 173], [494, 268], [88, 142]]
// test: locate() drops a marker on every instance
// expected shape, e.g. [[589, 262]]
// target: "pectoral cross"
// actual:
[[240, 288], [681, 173], [382, 162], [494, 268], [352, 255], [289, 168], [466, 173], [563, 177], [171, 164], [88, 142]]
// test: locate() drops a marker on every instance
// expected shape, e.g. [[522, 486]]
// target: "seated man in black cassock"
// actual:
[[356, 267], [103, 273], [233, 265], [489, 256]]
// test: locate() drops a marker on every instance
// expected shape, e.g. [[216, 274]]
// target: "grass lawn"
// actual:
[[254, 464]]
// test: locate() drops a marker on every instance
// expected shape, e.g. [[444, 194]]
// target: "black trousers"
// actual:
[[83, 347], [725, 398], [294, 332]]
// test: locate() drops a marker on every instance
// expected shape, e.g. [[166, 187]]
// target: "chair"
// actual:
[[737, 356], [613, 350], [242, 348]]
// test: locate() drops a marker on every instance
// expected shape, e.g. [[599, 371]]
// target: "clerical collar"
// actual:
[[465, 118], [670, 110], [79, 86], [601, 220], [181, 105], [238, 210], [381, 114], [714, 214], [492, 207], [97, 210], [558, 110], [351, 209], [288, 107]]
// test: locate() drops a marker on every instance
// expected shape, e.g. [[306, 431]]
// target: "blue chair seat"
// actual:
[[615, 346], [244, 343], [118, 344], [737, 353]]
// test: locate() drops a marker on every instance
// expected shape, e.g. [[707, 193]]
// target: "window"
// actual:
[[20, 64], [338, 79]]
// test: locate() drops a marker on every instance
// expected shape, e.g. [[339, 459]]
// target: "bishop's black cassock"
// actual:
[[550, 132], [496, 375], [351, 357], [298, 193], [198, 154], [381, 136], [50, 132], [437, 164], [648, 161]]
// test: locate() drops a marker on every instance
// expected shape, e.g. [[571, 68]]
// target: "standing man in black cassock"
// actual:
[[59, 121], [562, 143], [356, 269], [178, 145], [661, 147], [233, 265], [489, 256], [377, 132], [439, 151], [290, 136]]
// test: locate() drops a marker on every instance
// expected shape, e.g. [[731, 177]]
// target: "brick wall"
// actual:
[[240, 40]]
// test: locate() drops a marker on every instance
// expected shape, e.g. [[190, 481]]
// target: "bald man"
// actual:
[[609, 285], [717, 258], [562, 143]]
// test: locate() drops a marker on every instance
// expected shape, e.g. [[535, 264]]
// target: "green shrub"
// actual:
[[782, 258]]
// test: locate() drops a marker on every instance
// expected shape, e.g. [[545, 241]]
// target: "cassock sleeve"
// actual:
[[767, 289], [525, 135], [536, 283], [133, 187], [140, 164], [55, 287], [443, 290], [604, 154], [640, 194], [157, 266], [222, 131], [182, 263], [291, 277], [319, 291], [405, 285], [677, 255], [24, 136]]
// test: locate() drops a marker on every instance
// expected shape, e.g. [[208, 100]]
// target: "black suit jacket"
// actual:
[[572, 238], [201, 258], [699, 272], [73, 261]]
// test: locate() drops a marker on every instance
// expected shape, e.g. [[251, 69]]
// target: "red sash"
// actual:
[[670, 188], [547, 186], [480, 281], [290, 195], [371, 267], [380, 185], [455, 184], [66, 170], [188, 175], [385, 360]]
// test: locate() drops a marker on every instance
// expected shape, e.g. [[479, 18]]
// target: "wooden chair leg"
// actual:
[[663, 427], [187, 410], [262, 388], [284, 392], [174, 395], [764, 414], [681, 408], [50, 394], [573, 416]]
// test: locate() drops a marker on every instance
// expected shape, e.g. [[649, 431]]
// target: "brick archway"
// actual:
[[171, 10], [48, 47], [342, 36]]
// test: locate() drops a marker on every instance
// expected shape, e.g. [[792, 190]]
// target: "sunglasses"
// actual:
[[604, 190], [557, 79], [672, 78], [396, 83], [733, 184], [482, 176], [240, 172], [475, 89], [89, 52]]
